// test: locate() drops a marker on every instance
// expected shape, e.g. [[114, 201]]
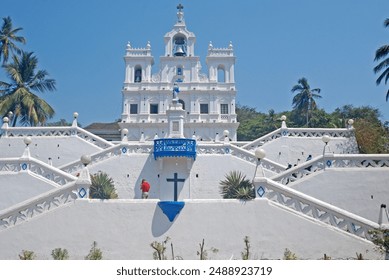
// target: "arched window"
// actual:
[[221, 74], [138, 74], [183, 103]]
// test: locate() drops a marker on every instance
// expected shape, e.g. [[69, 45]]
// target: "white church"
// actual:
[[178, 130]]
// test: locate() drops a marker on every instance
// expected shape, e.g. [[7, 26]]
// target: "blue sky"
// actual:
[[330, 42]]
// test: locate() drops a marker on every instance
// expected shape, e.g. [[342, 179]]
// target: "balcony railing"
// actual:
[[175, 147]]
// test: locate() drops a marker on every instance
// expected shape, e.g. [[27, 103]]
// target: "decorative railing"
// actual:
[[41, 169], [318, 132], [357, 160], [314, 165], [298, 172], [56, 131], [30, 208], [314, 208], [299, 132], [117, 150], [175, 147], [238, 152], [263, 140]]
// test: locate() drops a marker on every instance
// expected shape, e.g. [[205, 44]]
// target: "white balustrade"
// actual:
[[40, 204], [314, 208], [299, 132], [114, 151], [238, 152], [47, 172], [57, 131]]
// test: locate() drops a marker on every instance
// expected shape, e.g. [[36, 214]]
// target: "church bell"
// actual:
[[179, 51]]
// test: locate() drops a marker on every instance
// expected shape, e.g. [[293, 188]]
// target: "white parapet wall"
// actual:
[[124, 229]]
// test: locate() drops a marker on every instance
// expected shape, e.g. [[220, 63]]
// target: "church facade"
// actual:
[[208, 100]]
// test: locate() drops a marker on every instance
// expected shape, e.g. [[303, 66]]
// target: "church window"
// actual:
[[224, 109], [221, 75], [179, 70], [153, 108], [138, 74], [203, 108], [183, 103], [133, 108]]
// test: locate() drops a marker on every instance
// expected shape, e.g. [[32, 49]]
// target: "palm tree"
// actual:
[[7, 38], [18, 96], [102, 187], [304, 100], [237, 186], [383, 66]]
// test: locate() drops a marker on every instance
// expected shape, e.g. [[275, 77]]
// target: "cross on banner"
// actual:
[[175, 180]]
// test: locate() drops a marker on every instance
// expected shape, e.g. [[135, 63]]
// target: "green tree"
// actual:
[[383, 67], [18, 96], [8, 38], [102, 187], [60, 254], [371, 134], [304, 101], [94, 253], [236, 186]]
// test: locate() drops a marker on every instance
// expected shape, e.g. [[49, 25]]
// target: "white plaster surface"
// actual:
[[14, 188], [202, 176], [295, 150], [358, 190], [124, 229], [61, 149]]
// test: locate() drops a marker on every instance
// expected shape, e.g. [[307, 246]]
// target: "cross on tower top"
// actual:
[[180, 7]]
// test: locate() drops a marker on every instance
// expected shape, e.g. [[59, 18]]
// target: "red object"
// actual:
[[145, 186]]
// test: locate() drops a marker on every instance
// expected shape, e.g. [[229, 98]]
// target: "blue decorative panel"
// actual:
[[82, 192], [261, 191], [329, 163], [124, 150], [175, 147], [285, 132], [227, 150], [24, 166], [171, 208]]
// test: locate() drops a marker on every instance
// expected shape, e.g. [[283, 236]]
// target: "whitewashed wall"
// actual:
[[124, 229], [202, 175], [295, 150], [357, 190], [17, 187], [60, 149]]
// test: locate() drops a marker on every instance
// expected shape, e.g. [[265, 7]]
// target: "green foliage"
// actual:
[[371, 133], [19, 95], [203, 253], [160, 249], [304, 101], [27, 255], [382, 68], [8, 38], [60, 254], [102, 187], [246, 252], [236, 186], [289, 255], [94, 253]]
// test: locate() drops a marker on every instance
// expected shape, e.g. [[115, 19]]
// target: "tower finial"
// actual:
[[180, 13]]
